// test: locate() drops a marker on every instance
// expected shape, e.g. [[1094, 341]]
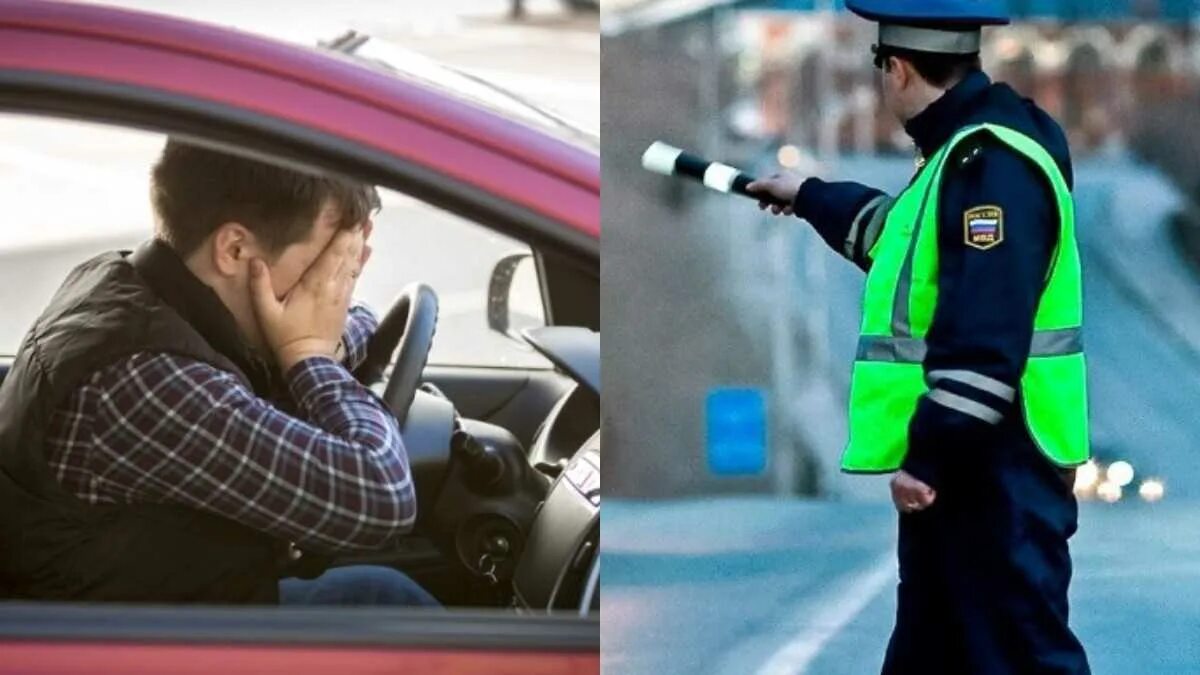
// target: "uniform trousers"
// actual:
[[984, 571]]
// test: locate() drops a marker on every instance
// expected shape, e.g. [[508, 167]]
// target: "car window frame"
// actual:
[[248, 133]]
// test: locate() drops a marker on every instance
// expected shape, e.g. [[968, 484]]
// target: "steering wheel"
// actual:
[[407, 331]]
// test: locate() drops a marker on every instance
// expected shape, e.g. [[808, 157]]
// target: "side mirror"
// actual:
[[514, 301]]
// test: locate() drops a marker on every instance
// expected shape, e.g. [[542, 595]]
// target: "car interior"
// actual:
[[506, 462], [505, 459]]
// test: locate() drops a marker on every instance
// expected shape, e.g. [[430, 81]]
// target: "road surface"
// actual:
[[751, 586]]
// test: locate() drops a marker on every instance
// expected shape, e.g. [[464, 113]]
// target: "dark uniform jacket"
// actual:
[[987, 299]]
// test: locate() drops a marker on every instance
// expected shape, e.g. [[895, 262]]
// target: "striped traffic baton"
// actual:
[[671, 161]]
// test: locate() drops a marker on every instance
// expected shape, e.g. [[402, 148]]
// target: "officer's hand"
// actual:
[[310, 319], [909, 494], [782, 187]]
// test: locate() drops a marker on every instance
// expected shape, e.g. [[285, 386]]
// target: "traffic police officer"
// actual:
[[969, 379]]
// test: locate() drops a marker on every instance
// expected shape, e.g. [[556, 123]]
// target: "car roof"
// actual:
[[378, 53], [311, 67]]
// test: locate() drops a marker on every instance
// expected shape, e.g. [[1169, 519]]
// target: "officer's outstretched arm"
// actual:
[[848, 216], [997, 230]]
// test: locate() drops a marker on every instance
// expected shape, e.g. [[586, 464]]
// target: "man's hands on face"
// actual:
[[782, 187], [309, 321], [911, 495], [367, 228]]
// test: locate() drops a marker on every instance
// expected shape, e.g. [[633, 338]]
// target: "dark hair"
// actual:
[[194, 190], [939, 70]]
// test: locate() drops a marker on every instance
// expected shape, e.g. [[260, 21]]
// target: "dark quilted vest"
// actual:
[[53, 545]]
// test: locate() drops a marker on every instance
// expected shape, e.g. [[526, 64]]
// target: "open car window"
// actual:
[[73, 190]]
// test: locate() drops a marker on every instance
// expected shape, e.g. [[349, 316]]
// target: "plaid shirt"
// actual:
[[157, 427]]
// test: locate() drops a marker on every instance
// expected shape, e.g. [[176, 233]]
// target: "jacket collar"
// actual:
[[170, 279], [934, 125]]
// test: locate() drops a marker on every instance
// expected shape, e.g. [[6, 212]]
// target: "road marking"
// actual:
[[838, 608]]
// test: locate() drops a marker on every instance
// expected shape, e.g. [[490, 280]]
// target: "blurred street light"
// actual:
[[1008, 48], [789, 156], [1120, 473], [1109, 492], [1086, 476], [1152, 490]]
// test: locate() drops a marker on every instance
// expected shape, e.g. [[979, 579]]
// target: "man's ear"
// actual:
[[232, 247], [902, 70]]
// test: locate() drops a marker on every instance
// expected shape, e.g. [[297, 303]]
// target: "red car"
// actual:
[[515, 564]]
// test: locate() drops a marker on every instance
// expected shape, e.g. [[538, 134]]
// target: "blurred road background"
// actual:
[[788, 566], [72, 190]]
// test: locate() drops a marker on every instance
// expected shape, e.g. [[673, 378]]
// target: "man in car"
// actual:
[[181, 422]]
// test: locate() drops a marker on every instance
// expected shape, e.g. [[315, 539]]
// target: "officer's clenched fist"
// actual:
[[782, 187], [909, 494]]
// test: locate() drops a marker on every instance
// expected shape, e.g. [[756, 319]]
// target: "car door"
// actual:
[[504, 186], [68, 639]]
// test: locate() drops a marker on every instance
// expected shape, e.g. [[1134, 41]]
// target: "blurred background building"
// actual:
[[709, 566], [702, 293]]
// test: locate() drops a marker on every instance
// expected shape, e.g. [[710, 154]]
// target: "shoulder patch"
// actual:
[[983, 227]]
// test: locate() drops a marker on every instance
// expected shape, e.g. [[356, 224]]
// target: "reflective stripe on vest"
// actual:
[[1060, 342], [898, 307]]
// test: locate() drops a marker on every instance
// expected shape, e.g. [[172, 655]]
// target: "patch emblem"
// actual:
[[983, 227]]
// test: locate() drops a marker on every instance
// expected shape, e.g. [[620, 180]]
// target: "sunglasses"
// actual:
[[880, 56]]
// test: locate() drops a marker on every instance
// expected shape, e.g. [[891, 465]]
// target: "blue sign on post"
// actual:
[[736, 431]]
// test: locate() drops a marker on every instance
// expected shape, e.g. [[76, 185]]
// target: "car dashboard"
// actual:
[[560, 569], [529, 519]]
